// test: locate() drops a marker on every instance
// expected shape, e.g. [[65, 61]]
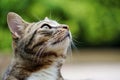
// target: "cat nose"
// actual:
[[65, 27]]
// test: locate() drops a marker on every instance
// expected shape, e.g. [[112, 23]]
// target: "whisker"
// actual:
[[69, 52], [58, 19], [36, 17], [76, 41], [73, 45], [50, 16]]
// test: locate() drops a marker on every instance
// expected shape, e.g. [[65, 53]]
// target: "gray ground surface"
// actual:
[[86, 64], [94, 71]]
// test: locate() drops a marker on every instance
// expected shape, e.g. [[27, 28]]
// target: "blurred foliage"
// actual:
[[92, 22]]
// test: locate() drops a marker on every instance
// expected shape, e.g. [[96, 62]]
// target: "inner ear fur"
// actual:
[[16, 24]]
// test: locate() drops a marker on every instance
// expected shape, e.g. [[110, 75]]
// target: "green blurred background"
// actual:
[[93, 23]]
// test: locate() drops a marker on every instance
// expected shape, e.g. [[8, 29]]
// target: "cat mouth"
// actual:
[[62, 39]]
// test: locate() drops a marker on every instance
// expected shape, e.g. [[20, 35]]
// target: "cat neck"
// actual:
[[34, 71], [50, 73]]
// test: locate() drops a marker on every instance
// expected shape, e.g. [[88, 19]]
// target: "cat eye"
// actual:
[[46, 26]]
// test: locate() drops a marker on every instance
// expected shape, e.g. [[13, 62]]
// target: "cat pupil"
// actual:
[[46, 27]]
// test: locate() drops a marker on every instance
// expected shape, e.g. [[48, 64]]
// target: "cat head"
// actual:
[[46, 37]]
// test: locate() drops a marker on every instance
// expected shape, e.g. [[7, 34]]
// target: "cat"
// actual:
[[40, 49]]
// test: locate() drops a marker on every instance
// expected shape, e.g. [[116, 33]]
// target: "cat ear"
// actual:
[[16, 24]]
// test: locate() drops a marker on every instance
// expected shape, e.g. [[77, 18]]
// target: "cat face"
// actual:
[[38, 38]]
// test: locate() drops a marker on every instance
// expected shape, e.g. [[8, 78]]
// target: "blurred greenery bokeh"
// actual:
[[93, 23]]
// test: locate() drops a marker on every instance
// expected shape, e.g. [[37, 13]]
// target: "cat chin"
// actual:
[[61, 46], [62, 43], [62, 40]]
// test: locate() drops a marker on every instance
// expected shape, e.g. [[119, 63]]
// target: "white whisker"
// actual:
[[69, 51]]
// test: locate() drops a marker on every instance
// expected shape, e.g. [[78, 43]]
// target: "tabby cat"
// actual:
[[39, 49]]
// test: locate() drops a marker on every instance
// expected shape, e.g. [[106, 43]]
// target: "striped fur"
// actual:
[[39, 49]]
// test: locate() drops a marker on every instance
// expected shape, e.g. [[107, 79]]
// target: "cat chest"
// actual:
[[48, 74]]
